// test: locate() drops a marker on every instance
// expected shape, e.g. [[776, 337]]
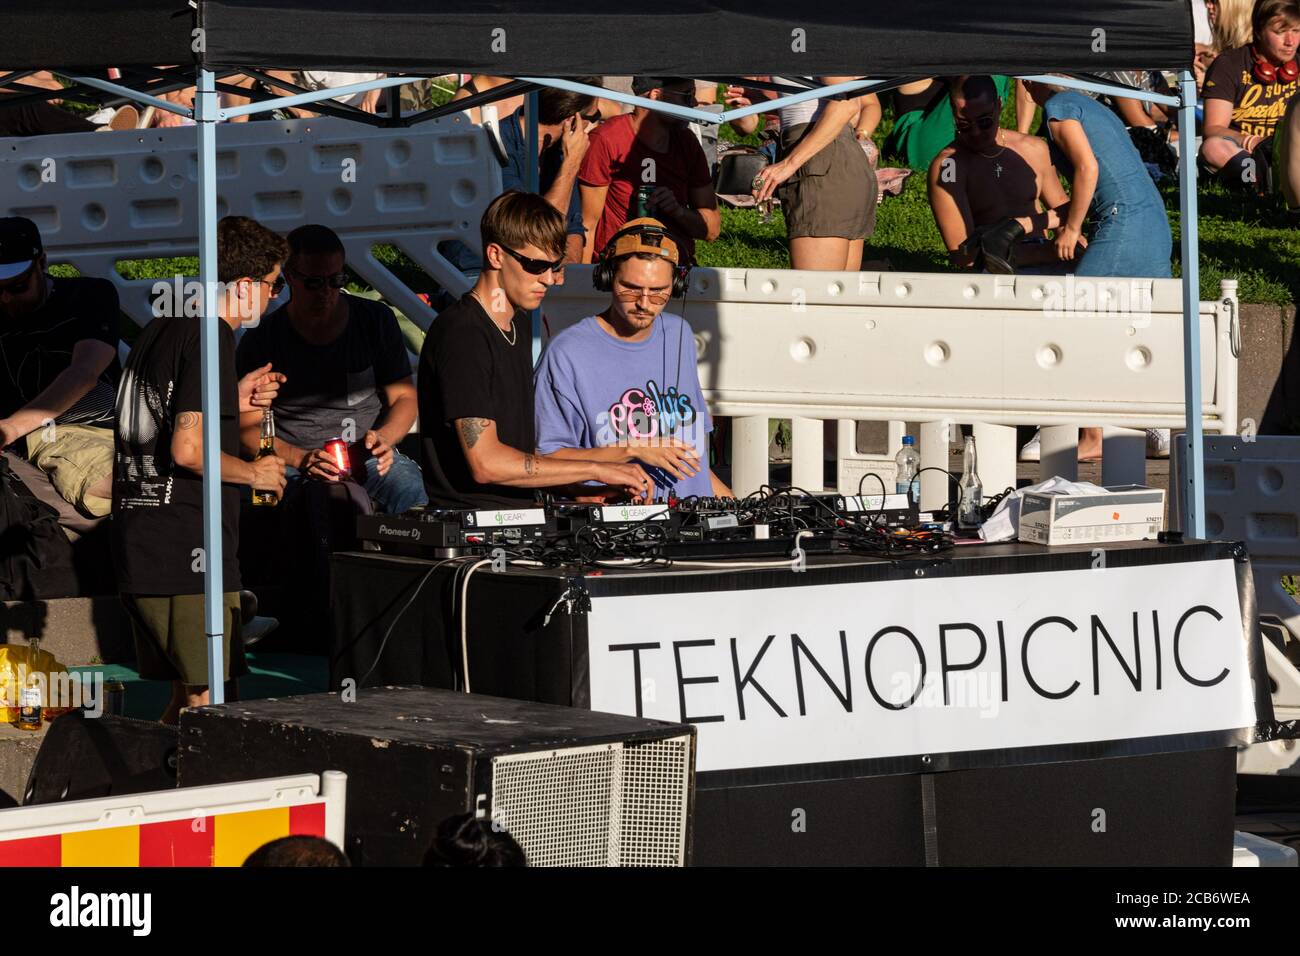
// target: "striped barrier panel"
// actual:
[[217, 825]]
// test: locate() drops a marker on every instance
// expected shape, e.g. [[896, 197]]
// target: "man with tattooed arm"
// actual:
[[478, 438]]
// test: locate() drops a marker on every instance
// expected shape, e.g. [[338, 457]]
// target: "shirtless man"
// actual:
[[991, 177]]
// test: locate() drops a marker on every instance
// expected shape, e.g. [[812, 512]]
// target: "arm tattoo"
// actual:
[[188, 420], [530, 465], [472, 428]]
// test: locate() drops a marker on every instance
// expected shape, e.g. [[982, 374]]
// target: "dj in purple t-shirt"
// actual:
[[594, 390]]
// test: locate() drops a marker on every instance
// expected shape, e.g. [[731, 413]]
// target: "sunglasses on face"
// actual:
[[634, 295], [277, 286], [983, 124], [535, 267], [20, 285], [315, 283]]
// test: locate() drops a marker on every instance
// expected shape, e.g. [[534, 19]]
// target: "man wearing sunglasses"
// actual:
[[158, 478], [645, 148], [994, 192], [622, 386], [478, 439], [58, 369], [346, 375]]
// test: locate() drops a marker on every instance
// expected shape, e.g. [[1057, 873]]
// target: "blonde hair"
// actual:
[[1233, 29]]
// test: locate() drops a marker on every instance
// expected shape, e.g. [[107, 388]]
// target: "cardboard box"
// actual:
[[1123, 513]]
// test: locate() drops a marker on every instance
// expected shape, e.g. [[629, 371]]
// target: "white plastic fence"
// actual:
[[1252, 494], [932, 350], [100, 198], [221, 823], [993, 351]]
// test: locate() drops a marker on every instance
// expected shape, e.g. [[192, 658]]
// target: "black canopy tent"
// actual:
[[523, 39], [575, 37]]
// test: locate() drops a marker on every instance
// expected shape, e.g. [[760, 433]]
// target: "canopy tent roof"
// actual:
[[576, 37]]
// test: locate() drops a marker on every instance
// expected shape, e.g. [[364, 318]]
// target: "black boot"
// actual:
[[999, 244]]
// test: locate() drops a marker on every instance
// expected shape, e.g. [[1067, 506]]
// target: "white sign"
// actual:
[[859, 671]]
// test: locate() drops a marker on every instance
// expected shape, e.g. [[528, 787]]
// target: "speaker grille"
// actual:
[[607, 805]]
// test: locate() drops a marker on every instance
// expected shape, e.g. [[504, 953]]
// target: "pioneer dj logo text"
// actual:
[[77, 909]]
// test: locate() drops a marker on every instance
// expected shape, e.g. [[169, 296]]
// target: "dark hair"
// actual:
[[297, 851], [972, 87], [641, 85], [246, 248], [555, 106], [465, 840], [314, 240], [1266, 11], [516, 219]]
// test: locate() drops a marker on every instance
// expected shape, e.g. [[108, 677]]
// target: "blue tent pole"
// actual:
[[533, 182], [205, 117], [1193, 490]]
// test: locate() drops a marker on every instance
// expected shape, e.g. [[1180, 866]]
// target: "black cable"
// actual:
[[393, 623]]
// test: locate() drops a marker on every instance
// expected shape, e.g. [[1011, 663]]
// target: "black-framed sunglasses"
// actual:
[[21, 284], [535, 267], [983, 124], [336, 281], [277, 286]]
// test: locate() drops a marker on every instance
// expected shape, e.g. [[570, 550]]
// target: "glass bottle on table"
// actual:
[[970, 489], [266, 446]]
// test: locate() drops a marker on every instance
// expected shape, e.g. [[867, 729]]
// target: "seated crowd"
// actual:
[[614, 410]]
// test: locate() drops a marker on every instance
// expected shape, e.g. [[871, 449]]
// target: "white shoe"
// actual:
[[1157, 442], [1031, 451]]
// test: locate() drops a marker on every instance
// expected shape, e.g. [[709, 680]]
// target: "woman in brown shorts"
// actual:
[[825, 183]]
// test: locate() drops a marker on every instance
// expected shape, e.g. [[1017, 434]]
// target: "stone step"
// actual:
[[17, 754], [86, 630]]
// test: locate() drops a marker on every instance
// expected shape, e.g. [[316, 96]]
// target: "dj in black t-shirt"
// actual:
[[158, 505], [469, 369]]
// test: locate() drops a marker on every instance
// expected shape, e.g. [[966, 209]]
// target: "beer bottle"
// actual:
[[971, 489], [266, 447], [29, 691]]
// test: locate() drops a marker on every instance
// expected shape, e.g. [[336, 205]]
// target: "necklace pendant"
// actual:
[[997, 171]]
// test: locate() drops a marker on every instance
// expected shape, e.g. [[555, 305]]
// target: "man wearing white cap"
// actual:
[[58, 369]]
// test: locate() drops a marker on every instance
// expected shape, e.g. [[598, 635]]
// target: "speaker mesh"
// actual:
[[607, 805]]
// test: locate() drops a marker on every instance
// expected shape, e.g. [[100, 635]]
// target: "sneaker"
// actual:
[[1157, 442], [1031, 451], [125, 117]]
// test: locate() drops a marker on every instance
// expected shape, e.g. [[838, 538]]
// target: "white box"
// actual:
[[1124, 513]]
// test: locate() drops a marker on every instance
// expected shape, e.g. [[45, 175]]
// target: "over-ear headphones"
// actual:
[[646, 236], [1266, 72]]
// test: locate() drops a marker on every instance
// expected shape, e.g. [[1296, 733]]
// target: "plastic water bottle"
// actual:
[[908, 481]]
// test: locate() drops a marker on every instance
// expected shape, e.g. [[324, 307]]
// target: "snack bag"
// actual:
[[21, 664]]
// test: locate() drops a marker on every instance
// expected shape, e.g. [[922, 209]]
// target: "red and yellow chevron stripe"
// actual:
[[220, 840]]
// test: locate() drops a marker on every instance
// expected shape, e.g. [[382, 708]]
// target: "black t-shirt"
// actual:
[[35, 348], [157, 505], [1257, 107], [468, 369], [328, 386]]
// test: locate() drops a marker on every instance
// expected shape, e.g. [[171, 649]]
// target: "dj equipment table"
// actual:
[[1010, 703]]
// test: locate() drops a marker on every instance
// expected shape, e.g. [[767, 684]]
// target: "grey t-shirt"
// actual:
[[331, 391]]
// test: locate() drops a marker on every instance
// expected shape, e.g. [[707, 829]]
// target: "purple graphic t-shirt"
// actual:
[[594, 390]]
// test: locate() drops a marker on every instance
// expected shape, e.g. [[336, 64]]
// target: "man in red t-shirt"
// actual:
[[652, 149]]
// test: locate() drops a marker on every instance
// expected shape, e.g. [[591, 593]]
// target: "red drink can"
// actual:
[[337, 449]]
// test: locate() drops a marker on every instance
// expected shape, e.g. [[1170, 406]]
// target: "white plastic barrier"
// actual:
[[997, 351], [100, 198], [1252, 494], [1254, 851], [216, 825]]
